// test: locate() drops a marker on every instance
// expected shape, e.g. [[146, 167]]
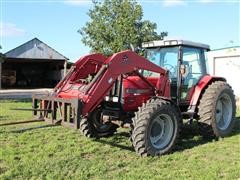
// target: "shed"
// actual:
[[33, 64], [225, 62]]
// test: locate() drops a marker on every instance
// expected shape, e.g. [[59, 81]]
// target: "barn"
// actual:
[[33, 64]]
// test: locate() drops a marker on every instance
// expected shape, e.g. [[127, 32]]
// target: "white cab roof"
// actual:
[[173, 42]]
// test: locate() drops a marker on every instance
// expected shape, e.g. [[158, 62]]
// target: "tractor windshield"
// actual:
[[165, 57]]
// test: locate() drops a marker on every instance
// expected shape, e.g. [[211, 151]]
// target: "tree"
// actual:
[[115, 24], [2, 56]]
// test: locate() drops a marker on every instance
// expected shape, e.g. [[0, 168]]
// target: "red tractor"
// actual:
[[150, 95]]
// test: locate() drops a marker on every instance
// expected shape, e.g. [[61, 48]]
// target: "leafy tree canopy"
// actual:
[[115, 24]]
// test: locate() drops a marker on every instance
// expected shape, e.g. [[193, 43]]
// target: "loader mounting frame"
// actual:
[[58, 111]]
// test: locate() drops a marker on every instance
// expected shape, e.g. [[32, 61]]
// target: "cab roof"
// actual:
[[174, 42]]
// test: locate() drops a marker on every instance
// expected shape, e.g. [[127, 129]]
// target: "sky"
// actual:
[[213, 22]]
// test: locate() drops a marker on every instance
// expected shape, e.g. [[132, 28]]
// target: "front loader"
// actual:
[[150, 95]]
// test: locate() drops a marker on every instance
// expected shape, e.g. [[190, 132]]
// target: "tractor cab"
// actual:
[[185, 62]]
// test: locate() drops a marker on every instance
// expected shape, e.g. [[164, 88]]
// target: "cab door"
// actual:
[[192, 69]]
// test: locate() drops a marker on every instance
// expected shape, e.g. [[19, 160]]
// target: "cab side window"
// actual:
[[193, 69]]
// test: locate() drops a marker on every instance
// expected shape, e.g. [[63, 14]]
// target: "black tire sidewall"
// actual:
[[218, 132], [207, 110], [162, 110]]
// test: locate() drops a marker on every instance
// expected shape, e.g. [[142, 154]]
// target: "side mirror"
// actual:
[[132, 47], [136, 49]]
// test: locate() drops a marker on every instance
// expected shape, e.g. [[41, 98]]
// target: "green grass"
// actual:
[[37, 151]]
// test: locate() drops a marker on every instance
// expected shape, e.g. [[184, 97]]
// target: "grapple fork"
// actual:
[[66, 112]]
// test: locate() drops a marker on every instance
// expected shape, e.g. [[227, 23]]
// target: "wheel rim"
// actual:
[[224, 111], [98, 122], [161, 131]]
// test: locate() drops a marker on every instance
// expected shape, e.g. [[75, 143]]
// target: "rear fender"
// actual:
[[201, 86]]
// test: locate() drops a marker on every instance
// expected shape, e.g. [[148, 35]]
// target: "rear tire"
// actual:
[[94, 127], [156, 128], [217, 110]]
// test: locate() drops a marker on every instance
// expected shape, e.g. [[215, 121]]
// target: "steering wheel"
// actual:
[[170, 68]]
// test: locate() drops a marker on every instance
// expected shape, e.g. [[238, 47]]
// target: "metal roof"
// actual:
[[35, 49], [231, 47], [173, 42]]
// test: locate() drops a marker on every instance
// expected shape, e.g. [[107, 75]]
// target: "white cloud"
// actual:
[[168, 3], [10, 30], [77, 2]]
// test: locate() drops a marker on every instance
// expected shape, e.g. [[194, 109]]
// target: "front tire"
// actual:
[[156, 128], [95, 127], [217, 110]]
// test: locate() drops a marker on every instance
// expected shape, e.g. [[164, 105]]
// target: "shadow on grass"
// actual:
[[236, 129], [32, 128], [116, 139], [190, 137]]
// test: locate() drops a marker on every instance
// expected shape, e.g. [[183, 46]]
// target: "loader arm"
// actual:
[[79, 67], [118, 64]]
